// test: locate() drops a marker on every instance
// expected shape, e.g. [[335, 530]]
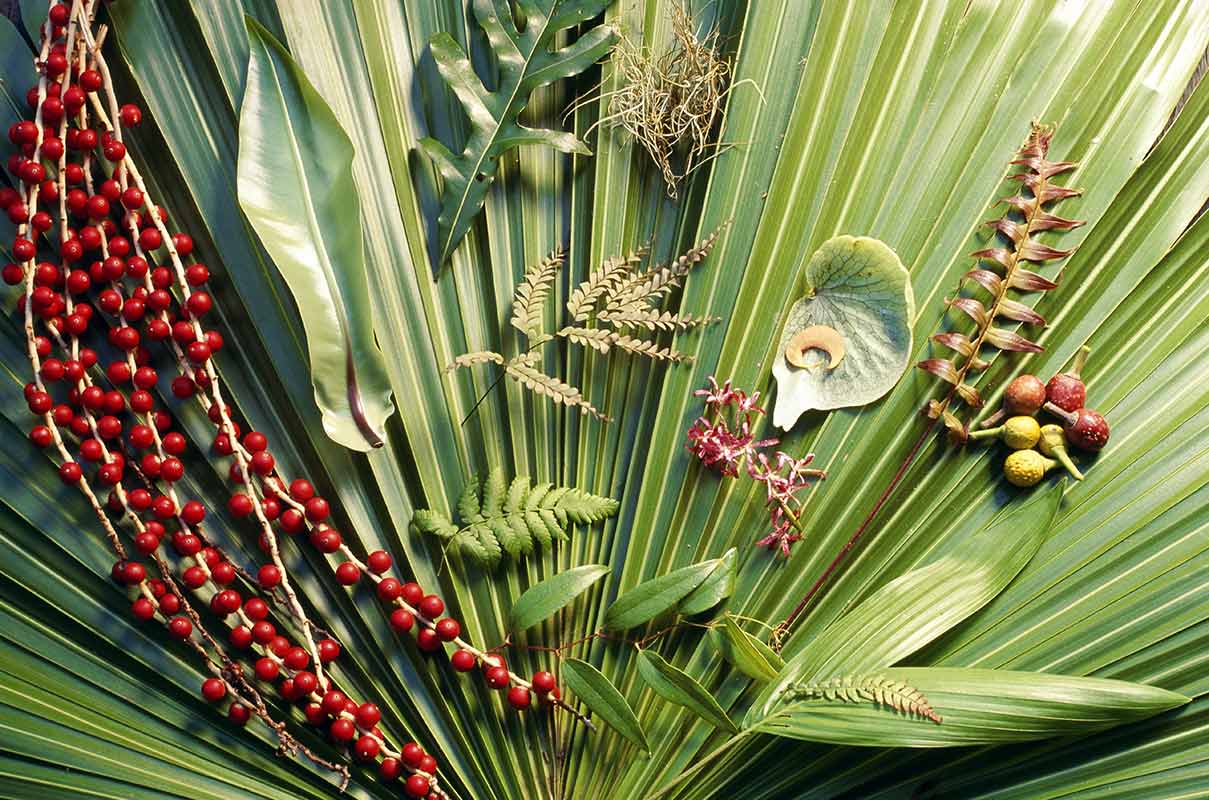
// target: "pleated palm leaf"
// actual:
[[895, 120]]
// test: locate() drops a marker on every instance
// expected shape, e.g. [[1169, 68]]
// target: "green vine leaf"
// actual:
[[650, 599], [714, 589], [295, 183], [543, 600], [745, 652], [677, 686], [525, 61], [510, 518], [596, 692], [857, 288]]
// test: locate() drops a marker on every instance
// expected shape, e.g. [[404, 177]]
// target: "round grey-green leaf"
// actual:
[[858, 287], [543, 600]]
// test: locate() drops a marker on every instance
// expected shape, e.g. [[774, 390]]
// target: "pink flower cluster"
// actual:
[[723, 441]]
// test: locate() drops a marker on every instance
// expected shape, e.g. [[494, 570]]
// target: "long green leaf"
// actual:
[[714, 589], [598, 694], [544, 599], [745, 652], [297, 189], [648, 600], [976, 707], [677, 686]]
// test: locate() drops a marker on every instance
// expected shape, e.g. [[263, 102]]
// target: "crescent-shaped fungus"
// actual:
[[816, 337]]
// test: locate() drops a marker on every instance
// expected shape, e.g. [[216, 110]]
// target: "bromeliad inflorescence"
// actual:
[[723, 441]]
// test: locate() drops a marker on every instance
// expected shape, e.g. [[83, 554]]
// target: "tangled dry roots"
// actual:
[[670, 102]]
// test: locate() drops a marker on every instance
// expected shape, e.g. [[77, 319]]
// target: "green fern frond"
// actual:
[[876, 689], [512, 520], [531, 294]]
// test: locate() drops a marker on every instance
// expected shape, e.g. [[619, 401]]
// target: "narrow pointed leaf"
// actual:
[[296, 188], [1012, 341], [745, 652], [650, 599], [677, 686], [596, 692], [714, 589], [977, 706], [544, 599]]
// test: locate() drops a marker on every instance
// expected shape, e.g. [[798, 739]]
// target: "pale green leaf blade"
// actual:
[[650, 599], [602, 697], [858, 287], [714, 589], [544, 599], [296, 187], [976, 706], [745, 652], [677, 686]]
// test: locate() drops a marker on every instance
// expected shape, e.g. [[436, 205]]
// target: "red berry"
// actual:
[[90, 80], [262, 462], [196, 274], [428, 764], [448, 629], [317, 509], [367, 748], [305, 682], [411, 593], [70, 472], [328, 649], [256, 608], [326, 541], [194, 577], [333, 702], [296, 658], [179, 627], [544, 682], [223, 573], [416, 786], [401, 620], [314, 714], [142, 609], [214, 690], [378, 562], [431, 606], [267, 669], [427, 640], [240, 505], [183, 243], [226, 602], [519, 698], [498, 677], [241, 637], [348, 573], [301, 490], [368, 715], [1086, 429], [389, 590], [343, 730], [239, 714], [463, 661], [193, 512], [411, 755], [254, 441], [263, 632], [390, 769], [130, 115]]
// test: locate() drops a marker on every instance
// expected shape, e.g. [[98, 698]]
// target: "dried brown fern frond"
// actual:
[[877, 689], [614, 298], [1004, 272], [670, 102]]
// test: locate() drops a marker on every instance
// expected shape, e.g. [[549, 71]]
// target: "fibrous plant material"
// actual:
[[670, 102], [1026, 217], [604, 311], [525, 60], [870, 689], [512, 518], [146, 294]]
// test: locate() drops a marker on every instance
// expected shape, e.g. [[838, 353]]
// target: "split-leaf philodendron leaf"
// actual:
[[525, 61], [296, 188], [856, 286]]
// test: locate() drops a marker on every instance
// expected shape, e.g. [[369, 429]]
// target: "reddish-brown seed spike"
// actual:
[[1053, 192], [957, 429], [1010, 309], [1046, 221], [970, 395], [1000, 255], [941, 368], [986, 279], [933, 409], [955, 341], [1009, 340], [1029, 281], [979, 364], [1038, 253], [971, 308], [1022, 204], [1013, 230]]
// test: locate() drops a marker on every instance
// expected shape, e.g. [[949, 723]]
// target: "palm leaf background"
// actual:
[[888, 119]]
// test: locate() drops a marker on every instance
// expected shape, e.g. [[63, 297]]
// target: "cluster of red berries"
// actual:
[[117, 231]]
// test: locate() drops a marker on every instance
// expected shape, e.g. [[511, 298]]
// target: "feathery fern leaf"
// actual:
[[876, 689], [510, 520], [531, 294]]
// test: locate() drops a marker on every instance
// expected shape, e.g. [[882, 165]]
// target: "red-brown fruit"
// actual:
[[519, 698], [1024, 395]]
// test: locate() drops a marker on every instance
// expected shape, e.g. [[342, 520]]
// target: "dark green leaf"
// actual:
[[648, 600], [296, 187], [542, 600], [714, 589], [745, 652], [677, 686], [602, 697]]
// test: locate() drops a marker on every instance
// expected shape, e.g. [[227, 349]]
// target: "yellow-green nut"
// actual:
[[1021, 433], [1026, 467], [1053, 444]]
